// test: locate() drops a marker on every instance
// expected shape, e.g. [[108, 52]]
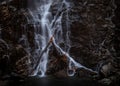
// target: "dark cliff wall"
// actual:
[[116, 21], [94, 32]]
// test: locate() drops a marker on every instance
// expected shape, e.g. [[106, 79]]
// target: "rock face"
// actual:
[[92, 30], [117, 35], [93, 35], [13, 22]]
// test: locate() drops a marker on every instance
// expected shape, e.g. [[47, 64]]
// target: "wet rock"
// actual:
[[56, 65], [81, 73], [4, 58], [13, 24], [3, 48], [61, 74], [21, 61], [109, 81], [91, 31], [105, 69], [91, 35], [19, 3], [105, 81]]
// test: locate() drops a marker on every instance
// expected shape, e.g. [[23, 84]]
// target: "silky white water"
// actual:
[[48, 28]]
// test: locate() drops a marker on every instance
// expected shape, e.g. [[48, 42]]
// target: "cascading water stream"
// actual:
[[48, 30]]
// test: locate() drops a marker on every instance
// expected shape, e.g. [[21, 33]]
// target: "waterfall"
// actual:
[[48, 31]]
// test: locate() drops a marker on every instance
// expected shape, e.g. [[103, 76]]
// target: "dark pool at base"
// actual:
[[52, 81]]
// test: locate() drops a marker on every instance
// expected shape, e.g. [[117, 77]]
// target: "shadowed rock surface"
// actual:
[[95, 41]]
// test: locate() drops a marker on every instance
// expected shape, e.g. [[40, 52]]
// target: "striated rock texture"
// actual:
[[13, 24], [94, 37], [92, 30]]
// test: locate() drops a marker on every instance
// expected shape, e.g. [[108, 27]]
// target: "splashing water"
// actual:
[[48, 28]]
